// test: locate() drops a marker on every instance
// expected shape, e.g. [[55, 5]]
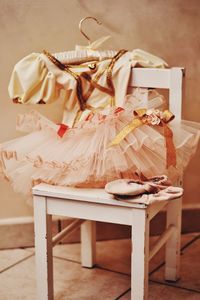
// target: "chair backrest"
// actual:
[[163, 79]]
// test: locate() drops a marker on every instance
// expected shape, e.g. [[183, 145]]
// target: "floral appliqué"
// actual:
[[153, 117]]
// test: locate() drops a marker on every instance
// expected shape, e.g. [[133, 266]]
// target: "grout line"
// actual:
[[113, 271], [157, 268], [161, 283], [175, 286], [96, 265], [190, 242], [183, 248], [28, 249], [67, 259], [18, 262], [121, 295]]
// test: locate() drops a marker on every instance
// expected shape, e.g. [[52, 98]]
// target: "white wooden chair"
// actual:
[[90, 205]]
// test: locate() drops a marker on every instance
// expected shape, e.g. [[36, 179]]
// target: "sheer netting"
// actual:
[[85, 157]]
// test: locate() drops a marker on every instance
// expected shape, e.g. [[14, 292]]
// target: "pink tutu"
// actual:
[[85, 157]]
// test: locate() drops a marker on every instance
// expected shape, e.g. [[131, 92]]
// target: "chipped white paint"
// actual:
[[140, 255], [43, 249]]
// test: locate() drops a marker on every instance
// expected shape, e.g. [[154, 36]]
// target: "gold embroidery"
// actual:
[[77, 118], [65, 68], [110, 68], [93, 82]]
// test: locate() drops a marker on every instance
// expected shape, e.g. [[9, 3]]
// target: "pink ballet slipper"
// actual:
[[169, 193], [127, 187]]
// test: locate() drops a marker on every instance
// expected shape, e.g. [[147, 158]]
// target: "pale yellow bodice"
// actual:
[[37, 79]]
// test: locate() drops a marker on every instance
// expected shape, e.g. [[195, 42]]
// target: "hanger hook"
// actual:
[[81, 30]]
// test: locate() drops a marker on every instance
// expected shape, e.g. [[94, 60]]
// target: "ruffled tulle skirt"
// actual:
[[84, 157]]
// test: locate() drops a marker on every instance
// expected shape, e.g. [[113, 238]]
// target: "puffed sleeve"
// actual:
[[146, 59], [32, 82]]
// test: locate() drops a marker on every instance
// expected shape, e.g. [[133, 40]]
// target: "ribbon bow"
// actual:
[[152, 117], [94, 45]]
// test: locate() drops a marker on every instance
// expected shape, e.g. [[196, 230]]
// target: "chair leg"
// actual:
[[140, 256], [172, 254], [88, 244], [43, 249]]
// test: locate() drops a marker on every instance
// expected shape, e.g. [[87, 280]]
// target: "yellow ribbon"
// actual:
[[143, 118], [167, 116], [125, 131]]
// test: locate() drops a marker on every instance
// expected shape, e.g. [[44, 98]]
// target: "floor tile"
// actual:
[[68, 251], [190, 268], [11, 257], [19, 282], [158, 291], [159, 258], [30, 249], [70, 280], [114, 255], [73, 282]]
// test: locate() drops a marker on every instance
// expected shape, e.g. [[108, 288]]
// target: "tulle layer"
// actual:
[[83, 157]]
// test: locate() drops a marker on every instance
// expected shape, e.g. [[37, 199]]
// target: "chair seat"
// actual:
[[84, 194]]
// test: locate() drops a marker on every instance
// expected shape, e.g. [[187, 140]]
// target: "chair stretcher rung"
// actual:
[[74, 225], [161, 240]]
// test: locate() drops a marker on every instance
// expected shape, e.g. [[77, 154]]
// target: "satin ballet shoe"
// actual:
[[170, 193], [158, 180], [128, 190], [127, 187], [143, 185]]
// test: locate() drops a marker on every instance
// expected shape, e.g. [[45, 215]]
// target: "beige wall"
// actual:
[[169, 29]]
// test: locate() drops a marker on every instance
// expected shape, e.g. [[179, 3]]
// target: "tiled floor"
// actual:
[[109, 280]]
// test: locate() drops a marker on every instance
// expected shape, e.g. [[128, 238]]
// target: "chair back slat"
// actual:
[[170, 79]]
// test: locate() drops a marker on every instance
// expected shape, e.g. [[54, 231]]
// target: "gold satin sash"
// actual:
[[151, 118]]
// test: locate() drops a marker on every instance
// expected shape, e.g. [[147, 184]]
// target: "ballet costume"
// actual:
[[105, 134]]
